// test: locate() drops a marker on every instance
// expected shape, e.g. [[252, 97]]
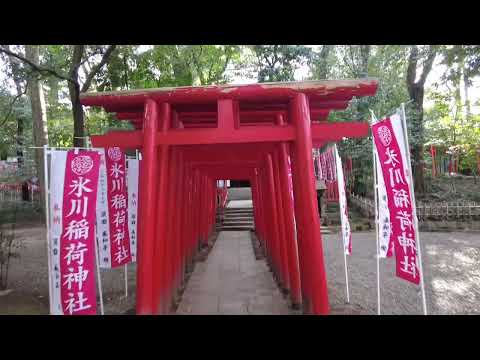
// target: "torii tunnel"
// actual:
[[190, 137]]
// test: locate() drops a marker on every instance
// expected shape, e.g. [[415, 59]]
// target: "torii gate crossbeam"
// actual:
[[191, 136]]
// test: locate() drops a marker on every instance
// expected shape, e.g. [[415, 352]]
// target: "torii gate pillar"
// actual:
[[314, 283]]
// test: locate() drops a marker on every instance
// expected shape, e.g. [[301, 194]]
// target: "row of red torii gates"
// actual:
[[189, 137]]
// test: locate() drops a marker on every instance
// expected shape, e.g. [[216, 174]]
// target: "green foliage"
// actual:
[[466, 55], [279, 62], [167, 65], [447, 128], [387, 64], [12, 108], [134, 67], [323, 63], [60, 126]]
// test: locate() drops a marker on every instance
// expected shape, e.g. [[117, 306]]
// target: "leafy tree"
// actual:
[[446, 126], [168, 65], [14, 71], [40, 129], [68, 69], [385, 63], [322, 63], [416, 90], [279, 62]]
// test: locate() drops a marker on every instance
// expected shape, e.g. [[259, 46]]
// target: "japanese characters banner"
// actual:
[[58, 161], [326, 165], [77, 240], [390, 145], [117, 197], [384, 224], [346, 231], [103, 224], [132, 186]]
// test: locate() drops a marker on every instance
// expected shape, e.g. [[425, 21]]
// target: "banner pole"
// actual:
[[375, 175], [47, 220], [337, 156], [375, 192], [346, 272], [126, 280], [97, 254], [414, 207]]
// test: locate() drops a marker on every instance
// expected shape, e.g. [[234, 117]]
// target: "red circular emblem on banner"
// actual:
[[114, 153], [384, 135], [82, 164]]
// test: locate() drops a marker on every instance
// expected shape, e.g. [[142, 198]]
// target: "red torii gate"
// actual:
[[189, 137]]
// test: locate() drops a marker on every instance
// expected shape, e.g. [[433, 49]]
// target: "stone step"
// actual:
[[237, 209], [235, 212], [234, 216], [233, 222], [239, 218], [236, 228]]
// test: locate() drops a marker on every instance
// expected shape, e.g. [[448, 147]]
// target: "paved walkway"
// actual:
[[240, 204], [231, 281]]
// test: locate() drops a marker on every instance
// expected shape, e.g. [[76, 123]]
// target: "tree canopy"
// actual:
[[64, 71]]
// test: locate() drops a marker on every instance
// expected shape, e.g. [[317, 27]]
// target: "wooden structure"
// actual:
[[189, 137]]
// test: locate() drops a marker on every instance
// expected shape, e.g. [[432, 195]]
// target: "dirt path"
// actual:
[[451, 263], [28, 278]]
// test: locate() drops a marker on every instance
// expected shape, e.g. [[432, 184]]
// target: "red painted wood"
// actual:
[[307, 213], [288, 219], [281, 223], [316, 90], [230, 132], [146, 221], [160, 276], [320, 132]]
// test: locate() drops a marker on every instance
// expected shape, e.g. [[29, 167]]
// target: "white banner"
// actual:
[[342, 196], [58, 162], [103, 226], [132, 187], [384, 224]]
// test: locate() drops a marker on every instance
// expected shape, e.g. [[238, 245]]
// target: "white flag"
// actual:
[[58, 161], [103, 225], [342, 197], [132, 186], [384, 222]]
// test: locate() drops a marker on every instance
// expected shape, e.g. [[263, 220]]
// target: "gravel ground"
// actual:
[[28, 278], [451, 263]]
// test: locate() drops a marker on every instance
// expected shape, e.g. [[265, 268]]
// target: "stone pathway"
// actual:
[[232, 282], [239, 204]]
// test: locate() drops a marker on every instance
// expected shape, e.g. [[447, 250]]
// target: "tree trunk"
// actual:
[[322, 64], [54, 91], [362, 103], [418, 148], [364, 57], [467, 98], [40, 134], [74, 90], [416, 92], [78, 118], [20, 142]]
